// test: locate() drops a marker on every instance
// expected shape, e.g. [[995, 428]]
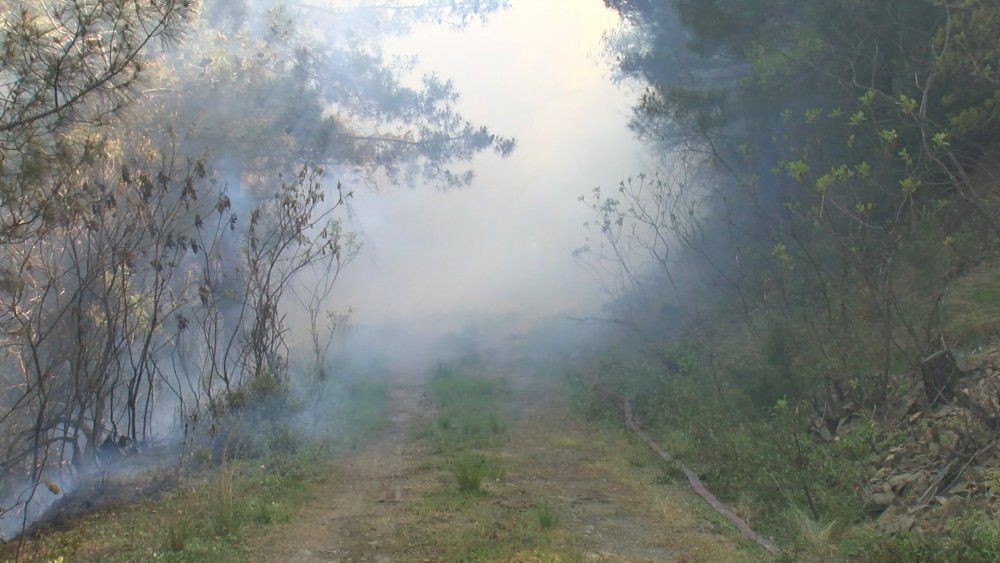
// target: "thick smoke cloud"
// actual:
[[503, 246]]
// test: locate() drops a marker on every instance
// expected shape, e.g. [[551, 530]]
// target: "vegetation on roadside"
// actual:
[[169, 232], [808, 279], [210, 514], [973, 538]]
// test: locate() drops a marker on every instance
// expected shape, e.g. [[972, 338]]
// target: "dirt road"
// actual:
[[396, 501], [357, 510]]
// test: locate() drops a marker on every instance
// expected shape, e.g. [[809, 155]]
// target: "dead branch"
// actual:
[[692, 477]]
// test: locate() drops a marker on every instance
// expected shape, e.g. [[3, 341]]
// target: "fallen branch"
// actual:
[[936, 482], [692, 477]]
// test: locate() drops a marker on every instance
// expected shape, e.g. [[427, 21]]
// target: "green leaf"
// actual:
[[940, 140]]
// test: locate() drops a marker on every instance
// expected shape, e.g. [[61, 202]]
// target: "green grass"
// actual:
[[973, 539], [465, 428], [467, 410], [467, 417], [452, 388], [462, 527], [350, 414], [546, 517], [470, 470]]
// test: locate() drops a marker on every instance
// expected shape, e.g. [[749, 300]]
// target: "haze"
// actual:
[[224, 136], [502, 246]]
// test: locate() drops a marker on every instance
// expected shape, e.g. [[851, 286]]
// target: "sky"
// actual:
[[503, 246]]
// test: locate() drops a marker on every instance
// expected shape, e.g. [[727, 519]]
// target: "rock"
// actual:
[[945, 412], [890, 515], [899, 483], [959, 488], [824, 433], [948, 439], [878, 502]]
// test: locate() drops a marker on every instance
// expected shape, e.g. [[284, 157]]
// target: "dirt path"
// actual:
[[358, 508], [396, 500], [610, 490]]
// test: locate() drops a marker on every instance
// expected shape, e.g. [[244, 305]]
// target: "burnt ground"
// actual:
[[396, 500], [124, 479], [97, 494]]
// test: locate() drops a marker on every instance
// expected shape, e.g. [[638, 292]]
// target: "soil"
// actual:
[[608, 492], [130, 478]]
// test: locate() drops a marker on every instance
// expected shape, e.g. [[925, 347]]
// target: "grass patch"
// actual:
[[470, 470], [973, 539], [465, 428], [454, 389], [180, 533], [465, 520], [468, 410], [462, 527], [546, 517], [355, 412]]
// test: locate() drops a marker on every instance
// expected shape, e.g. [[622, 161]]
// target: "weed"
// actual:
[[263, 512], [226, 512], [180, 532], [547, 518], [814, 536], [471, 469], [970, 540], [467, 410]]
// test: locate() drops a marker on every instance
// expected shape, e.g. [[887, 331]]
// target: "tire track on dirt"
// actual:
[[358, 507], [395, 500], [611, 502]]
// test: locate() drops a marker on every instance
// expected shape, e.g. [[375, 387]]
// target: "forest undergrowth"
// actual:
[[807, 284]]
